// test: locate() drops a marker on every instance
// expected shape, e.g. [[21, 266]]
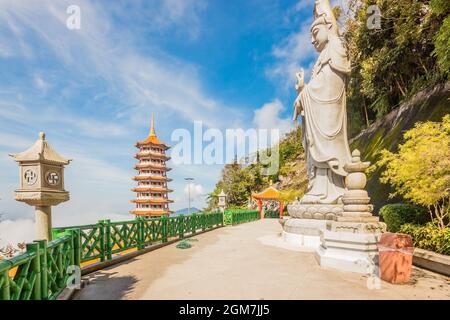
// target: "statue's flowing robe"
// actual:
[[324, 125]]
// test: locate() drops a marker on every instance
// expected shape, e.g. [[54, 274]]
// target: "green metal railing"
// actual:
[[105, 239], [271, 214], [237, 216], [42, 271]]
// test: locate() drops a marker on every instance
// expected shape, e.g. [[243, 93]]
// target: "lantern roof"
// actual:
[[268, 194], [40, 151], [222, 194]]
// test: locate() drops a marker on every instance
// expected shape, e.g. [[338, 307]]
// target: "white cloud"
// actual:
[[13, 141], [196, 191], [268, 117], [40, 83], [183, 14], [294, 52], [17, 231], [301, 4], [144, 82]]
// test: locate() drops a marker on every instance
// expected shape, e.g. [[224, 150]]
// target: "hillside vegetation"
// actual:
[[408, 53], [387, 133]]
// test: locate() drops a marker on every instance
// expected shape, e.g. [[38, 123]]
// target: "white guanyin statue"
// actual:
[[322, 104]]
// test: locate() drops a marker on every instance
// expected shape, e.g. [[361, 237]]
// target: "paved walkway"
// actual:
[[248, 261]]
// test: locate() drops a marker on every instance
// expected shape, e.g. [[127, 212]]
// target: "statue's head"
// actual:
[[320, 32]]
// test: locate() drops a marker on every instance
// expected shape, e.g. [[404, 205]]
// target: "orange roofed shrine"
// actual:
[[271, 193], [151, 191]]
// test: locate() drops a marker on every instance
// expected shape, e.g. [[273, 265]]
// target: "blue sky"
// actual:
[[93, 90]]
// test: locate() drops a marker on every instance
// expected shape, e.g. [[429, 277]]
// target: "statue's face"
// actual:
[[319, 37]]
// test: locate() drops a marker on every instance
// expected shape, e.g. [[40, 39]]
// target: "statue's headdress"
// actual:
[[323, 14]]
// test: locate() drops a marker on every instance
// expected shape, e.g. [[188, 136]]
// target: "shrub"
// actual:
[[429, 237], [420, 170], [395, 215]]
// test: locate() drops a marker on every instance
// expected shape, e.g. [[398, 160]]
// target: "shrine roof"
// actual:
[[268, 194]]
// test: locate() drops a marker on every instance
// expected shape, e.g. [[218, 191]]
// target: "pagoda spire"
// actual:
[[152, 128]]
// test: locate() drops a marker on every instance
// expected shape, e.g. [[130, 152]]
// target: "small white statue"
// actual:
[[322, 104]]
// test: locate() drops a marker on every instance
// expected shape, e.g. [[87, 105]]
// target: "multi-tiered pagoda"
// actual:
[[152, 191]]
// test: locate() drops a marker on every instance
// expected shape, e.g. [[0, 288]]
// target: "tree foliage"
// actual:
[[408, 53], [420, 170]]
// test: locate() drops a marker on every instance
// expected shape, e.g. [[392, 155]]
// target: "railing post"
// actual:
[[76, 236], [5, 293], [105, 240], [108, 242], [35, 267], [102, 240], [164, 228], [141, 240], [181, 226], [43, 267]]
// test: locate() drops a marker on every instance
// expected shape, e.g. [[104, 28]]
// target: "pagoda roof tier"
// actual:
[[150, 212], [150, 178], [150, 154], [160, 200], [151, 189], [152, 139], [152, 166]]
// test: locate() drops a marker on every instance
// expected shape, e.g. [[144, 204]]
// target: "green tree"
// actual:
[[441, 8], [420, 170], [409, 53]]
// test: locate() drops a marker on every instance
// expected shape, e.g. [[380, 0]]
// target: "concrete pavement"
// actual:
[[247, 261]]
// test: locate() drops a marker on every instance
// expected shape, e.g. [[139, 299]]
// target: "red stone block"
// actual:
[[396, 255]]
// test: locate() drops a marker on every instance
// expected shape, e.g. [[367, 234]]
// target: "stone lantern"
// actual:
[[222, 201], [41, 183]]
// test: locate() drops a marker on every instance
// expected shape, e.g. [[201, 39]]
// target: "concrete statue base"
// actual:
[[315, 211], [306, 222], [304, 233], [348, 251]]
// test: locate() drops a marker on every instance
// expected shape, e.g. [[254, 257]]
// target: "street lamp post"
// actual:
[[189, 194]]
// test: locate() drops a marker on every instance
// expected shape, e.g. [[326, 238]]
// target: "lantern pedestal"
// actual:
[[43, 222]]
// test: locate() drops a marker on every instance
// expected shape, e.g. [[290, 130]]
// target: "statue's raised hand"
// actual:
[[300, 80]]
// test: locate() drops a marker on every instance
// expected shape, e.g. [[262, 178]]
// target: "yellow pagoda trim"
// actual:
[[148, 154], [150, 212], [160, 200], [151, 165], [144, 189], [155, 178]]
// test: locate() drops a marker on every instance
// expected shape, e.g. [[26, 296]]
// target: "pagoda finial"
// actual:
[[152, 129]]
